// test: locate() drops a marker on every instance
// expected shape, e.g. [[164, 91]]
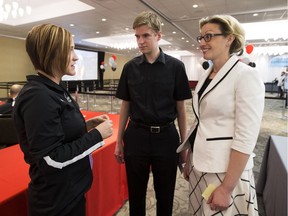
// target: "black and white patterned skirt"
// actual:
[[243, 199]]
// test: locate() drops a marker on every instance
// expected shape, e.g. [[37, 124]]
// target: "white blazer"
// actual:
[[228, 115]]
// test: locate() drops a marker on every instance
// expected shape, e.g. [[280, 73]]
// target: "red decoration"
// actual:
[[249, 48], [114, 57]]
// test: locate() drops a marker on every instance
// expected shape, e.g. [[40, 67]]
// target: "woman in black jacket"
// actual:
[[53, 135]]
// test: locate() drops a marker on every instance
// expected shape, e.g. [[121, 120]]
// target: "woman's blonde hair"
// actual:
[[228, 26], [148, 18], [48, 47]]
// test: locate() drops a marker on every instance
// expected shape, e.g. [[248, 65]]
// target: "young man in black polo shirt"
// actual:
[[153, 88]]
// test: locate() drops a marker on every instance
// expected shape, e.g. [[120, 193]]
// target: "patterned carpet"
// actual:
[[274, 123]]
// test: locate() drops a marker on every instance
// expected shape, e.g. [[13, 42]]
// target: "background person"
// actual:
[[153, 88], [53, 135], [228, 104], [280, 84], [286, 87], [7, 107]]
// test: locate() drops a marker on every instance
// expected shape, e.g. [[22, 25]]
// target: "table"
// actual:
[[108, 191], [272, 181], [14, 181]]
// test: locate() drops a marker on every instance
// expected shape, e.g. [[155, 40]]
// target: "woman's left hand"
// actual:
[[220, 199]]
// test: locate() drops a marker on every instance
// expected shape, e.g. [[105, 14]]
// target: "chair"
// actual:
[[8, 134]]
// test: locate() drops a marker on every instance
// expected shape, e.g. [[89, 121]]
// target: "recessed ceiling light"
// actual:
[[195, 6], [126, 28], [120, 41], [173, 32], [97, 32], [178, 53], [255, 14], [104, 19], [59, 8], [182, 38], [72, 25]]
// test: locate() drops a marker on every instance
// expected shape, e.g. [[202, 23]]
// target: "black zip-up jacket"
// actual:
[[55, 142]]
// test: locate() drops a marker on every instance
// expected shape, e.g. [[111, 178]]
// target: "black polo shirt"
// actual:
[[153, 89]]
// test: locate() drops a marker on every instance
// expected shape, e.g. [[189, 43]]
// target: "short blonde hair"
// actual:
[[48, 47], [228, 26], [148, 18]]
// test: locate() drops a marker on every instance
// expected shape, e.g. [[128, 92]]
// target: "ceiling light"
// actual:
[[41, 10], [104, 19], [13, 10], [120, 42], [195, 6], [179, 53], [255, 14]]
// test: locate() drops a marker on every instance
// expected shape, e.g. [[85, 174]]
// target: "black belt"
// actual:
[[152, 128]]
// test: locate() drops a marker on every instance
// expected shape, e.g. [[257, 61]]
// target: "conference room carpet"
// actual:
[[274, 123]]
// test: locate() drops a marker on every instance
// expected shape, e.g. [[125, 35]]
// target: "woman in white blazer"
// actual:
[[228, 105]]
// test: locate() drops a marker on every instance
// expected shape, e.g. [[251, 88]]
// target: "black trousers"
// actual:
[[144, 152], [79, 209]]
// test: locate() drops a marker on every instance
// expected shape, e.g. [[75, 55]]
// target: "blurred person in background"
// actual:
[[280, 84], [286, 87], [7, 107]]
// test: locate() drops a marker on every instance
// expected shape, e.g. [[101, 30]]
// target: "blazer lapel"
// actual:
[[222, 73], [197, 89]]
